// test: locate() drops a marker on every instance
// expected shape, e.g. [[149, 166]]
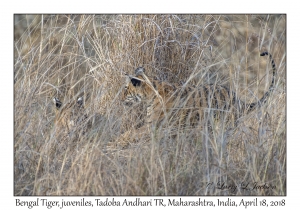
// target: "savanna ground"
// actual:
[[68, 56]]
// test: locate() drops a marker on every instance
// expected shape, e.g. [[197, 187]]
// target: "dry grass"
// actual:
[[68, 56]]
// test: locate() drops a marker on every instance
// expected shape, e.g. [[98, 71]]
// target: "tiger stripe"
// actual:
[[165, 100]]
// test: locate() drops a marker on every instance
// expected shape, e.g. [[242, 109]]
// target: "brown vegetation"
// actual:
[[69, 56]]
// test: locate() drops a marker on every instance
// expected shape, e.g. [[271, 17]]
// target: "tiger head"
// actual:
[[138, 88], [66, 115]]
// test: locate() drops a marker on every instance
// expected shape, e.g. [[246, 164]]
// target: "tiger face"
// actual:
[[67, 116], [155, 94], [136, 89]]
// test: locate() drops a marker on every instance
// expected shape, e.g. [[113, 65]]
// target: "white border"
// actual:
[[153, 6]]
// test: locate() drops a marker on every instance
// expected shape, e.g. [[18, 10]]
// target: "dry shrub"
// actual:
[[68, 56]]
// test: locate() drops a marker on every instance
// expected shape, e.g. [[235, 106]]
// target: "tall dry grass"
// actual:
[[68, 56]]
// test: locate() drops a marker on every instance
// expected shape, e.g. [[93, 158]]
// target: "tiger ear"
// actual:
[[135, 82], [80, 101], [57, 102], [139, 71]]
